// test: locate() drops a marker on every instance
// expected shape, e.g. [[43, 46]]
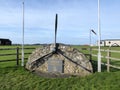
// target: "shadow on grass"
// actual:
[[10, 68], [95, 66], [103, 67]]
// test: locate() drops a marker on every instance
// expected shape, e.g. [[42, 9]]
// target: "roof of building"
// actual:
[[5, 39], [111, 40]]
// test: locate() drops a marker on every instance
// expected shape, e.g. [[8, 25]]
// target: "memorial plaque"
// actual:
[[55, 66]]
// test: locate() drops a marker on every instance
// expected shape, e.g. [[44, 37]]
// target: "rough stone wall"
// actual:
[[75, 62]]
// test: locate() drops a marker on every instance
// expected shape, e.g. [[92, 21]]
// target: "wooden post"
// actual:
[[17, 56], [108, 60]]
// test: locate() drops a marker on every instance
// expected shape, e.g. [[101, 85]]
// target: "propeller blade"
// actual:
[[56, 22]]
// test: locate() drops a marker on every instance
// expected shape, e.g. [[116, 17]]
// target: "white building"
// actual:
[[110, 42]]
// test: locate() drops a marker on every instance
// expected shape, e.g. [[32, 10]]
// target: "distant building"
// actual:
[[5, 41], [110, 42]]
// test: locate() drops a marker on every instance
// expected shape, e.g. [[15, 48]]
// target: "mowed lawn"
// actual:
[[14, 77]]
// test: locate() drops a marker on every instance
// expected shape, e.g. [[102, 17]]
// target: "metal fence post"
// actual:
[[17, 56]]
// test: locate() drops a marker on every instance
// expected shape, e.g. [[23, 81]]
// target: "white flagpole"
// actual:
[[90, 37], [99, 38], [90, 52], [22, 64]]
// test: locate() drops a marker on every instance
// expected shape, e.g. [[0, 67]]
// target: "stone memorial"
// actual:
[[65, 61]]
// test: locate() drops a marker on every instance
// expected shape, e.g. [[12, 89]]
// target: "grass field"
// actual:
[[14, 77], [17, 78]]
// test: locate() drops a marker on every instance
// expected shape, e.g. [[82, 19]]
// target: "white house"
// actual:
[[110, 42]]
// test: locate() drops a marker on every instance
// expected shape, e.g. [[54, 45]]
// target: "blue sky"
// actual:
[[76, 18]]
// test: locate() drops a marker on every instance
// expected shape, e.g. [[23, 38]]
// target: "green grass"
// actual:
[[14, 77], [10, 57], [17, 78]]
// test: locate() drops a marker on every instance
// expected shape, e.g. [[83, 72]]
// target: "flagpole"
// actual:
[[90, 46], [99, 38], [90, 37], [22, 64], [91, 31]]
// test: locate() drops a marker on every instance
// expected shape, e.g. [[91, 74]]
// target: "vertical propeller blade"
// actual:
[[56, 22]]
